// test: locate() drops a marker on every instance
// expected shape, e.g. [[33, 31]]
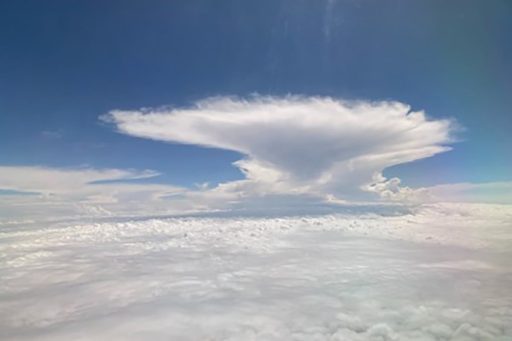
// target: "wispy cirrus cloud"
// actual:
[[63, 192], [51, 134]]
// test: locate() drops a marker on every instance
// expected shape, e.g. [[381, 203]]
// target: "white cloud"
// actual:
[[299, 145], [48, 180], [52, 134], [441, 273], [63, 192], [490, 192], [306, 153]]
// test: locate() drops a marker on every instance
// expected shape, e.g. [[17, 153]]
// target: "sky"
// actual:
[[174, 106]]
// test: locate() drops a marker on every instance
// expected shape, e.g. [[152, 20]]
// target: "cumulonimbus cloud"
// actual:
[[297, 153], [307, 145]]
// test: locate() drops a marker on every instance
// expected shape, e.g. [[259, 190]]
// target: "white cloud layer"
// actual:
[[440, 273], [41, 192], [490, 192], [300, 145]]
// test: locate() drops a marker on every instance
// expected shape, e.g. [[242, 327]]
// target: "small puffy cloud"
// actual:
[[392, 190], [300, 145]]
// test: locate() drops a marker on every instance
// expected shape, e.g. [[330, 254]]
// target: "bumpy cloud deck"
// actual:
[[439, 273]]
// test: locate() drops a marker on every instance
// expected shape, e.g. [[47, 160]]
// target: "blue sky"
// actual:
[[63, 64]]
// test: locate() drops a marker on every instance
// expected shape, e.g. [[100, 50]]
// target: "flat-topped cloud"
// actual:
[[310, 145], [298, 154]]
